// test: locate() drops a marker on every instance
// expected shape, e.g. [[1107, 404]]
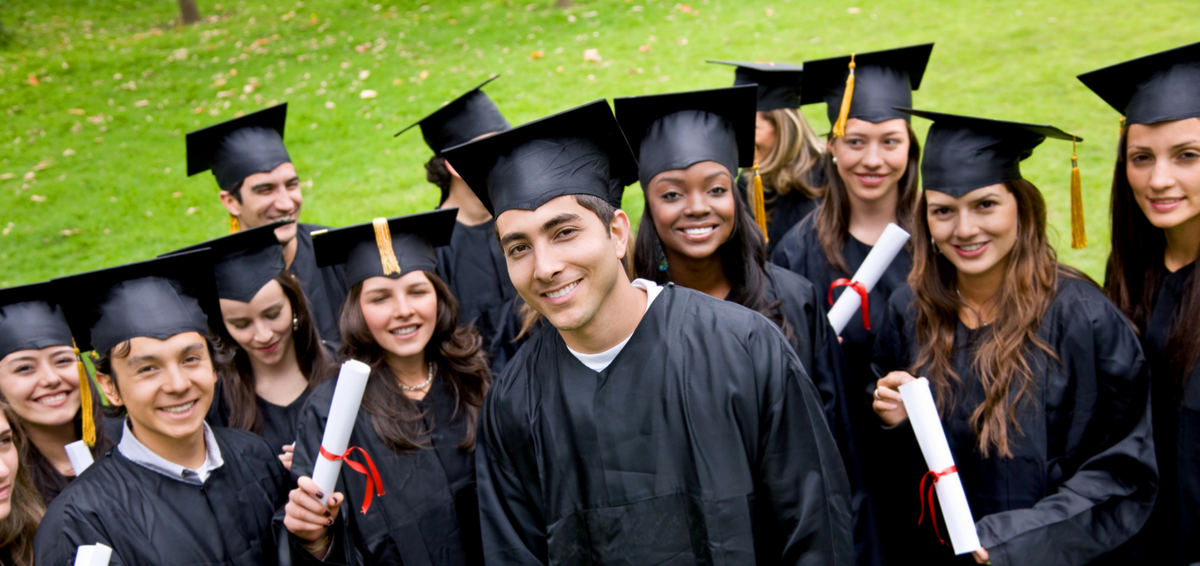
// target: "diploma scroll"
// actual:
[[927, 425], [80, 456], [885, 250], [347, 396], [93, 555]]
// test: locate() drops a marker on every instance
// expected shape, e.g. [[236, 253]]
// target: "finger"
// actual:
[[304, 531], [306, 516], [288, 449], [884, 406], [306, 501], [886, 394], [335, 502], [310, 487]]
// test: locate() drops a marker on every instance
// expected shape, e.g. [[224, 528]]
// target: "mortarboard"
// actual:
[[244, 262], [238, 148], [866, 86], [30, 319], [1152, 89], [386, 247], [964, 153], [778, 83], [461, 120], [581, 151]]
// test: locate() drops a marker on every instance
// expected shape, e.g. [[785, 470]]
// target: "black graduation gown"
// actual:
[[429, 514], [1082, 478], [325, 287], [473, 266], [47, 479], [703, 442], [279, 422], [1172, 536], [150, 519]]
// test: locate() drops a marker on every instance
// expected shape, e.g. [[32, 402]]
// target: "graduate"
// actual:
[[1155, 241], [278, 357], [21, 507], [617, 433], [418, 414], [1040, 382], [788, 151], [471, 263], [40, 380], [260, 186], [174, 490]]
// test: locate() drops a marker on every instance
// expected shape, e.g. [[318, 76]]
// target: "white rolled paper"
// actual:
[[885, 250], [80, 456], [93, 555], [927, 425], [347, 396]]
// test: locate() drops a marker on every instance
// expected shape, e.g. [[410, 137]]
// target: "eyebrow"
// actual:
[[1173, 148], [152, 358], [546, 227]]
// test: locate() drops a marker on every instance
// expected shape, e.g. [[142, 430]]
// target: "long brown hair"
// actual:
[[833, 218], [26, 507], [458, 353], [237, 375], [1136, 270], [1029, 286], [787, 166]]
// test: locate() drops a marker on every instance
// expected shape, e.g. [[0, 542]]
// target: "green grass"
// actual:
[[92, 164]]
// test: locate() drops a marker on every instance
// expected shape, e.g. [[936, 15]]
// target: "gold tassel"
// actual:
[[85, 399], [759, 201], [234, 225], [1078, 231], [839, 127], [383, 239]]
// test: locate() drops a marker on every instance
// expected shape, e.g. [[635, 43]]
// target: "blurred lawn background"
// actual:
[[98, 94]]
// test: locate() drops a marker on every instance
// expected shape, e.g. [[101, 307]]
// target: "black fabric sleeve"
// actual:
[[511, 521]]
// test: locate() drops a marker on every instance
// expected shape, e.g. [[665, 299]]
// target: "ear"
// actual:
[[110, 389], [452, 171], [231, 204], [620, 228]]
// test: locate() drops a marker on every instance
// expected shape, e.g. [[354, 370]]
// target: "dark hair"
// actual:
[[743, 258], [218, 353], [48, 480], [833, 216], [1029, 286], [237, 374], [1136, 271], [26, 510], [458, 353], [437, 173]]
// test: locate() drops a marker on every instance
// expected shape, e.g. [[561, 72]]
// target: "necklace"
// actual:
[[978, 315], [428, 380]]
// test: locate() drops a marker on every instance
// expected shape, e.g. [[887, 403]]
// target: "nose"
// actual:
[[48, 378], [5, 471], [546, 265], [696, 204], [401, 308], [1161, 178], [262, 332], [283, 201], [175, 382], [872, 158], [965, 227]]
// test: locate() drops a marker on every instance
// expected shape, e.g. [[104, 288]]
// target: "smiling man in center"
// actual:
[[645, 424]]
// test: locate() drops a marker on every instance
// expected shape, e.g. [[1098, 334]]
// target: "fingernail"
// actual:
[[329, 522], [327, 514], [320, 495]]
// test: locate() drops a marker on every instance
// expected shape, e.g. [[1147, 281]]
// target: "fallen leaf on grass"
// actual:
[[397, 82], [76, 111], [592, 55], [41, 165], [141, 103], [644, 48], [537, 55], [70, 231], [37, 198], [330, 104], [33, 80], [367, 94], [68, 152]]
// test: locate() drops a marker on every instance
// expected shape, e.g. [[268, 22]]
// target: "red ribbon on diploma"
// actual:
[[374, 483], [862, 293], [924, 494]]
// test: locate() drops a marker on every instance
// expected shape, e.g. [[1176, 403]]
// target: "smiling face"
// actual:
[[1163, 168], [401, 313], [266, 198], [976, 232], [8, 466], [872, 158], [263, 326], [165, 385], [41, 385], [563, 260], [693, 209]]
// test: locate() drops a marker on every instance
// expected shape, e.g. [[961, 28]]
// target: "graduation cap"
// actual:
[[577, 152], [238, 148], [30, 319], [1152, 89], [964, 153], [386, 247], [244, 262], [461, 120], [158, 298], [778, 83], [866, 86]]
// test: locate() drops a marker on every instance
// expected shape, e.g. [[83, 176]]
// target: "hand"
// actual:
[[981, 556], [839, 339], [889, 405], [286, 456], [305, 517]]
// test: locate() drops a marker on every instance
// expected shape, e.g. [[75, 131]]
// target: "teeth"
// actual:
[[970, 248], [50, 399], [180, 409], [699, 231], [404, 331], [563, 291]]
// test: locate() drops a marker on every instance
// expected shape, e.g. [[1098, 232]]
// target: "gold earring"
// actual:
[[295, 323], [936, 249]]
